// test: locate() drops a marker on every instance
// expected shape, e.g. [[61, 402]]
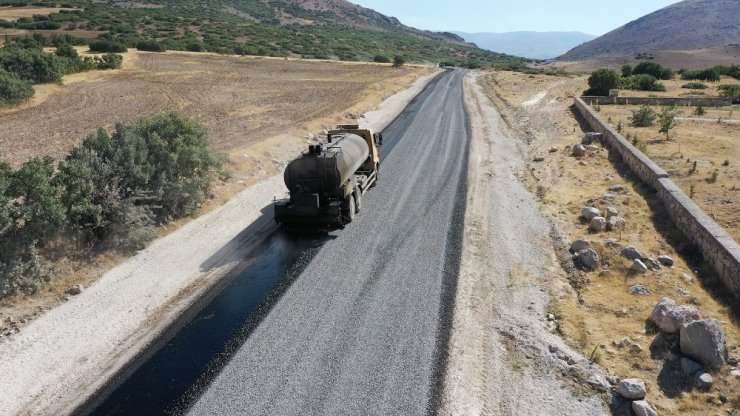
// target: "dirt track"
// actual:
[[240, 100]]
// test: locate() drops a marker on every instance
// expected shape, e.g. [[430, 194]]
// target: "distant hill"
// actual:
[[535, 45], [687, 25], [320, 29]]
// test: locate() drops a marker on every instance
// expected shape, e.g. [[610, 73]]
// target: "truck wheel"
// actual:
[[358, 200], [351, 209]]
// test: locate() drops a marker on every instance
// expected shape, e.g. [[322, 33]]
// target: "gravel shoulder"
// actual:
[[65, 355], [501, 358]]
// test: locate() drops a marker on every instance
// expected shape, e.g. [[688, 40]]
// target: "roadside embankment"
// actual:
[[82, 347]]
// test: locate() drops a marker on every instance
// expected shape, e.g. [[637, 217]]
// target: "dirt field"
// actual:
[[714, 183], [241, 101], [604, 311]]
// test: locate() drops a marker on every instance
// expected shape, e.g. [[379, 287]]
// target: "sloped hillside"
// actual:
[[687, 25]]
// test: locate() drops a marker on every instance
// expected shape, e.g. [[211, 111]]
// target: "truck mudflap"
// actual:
[[308, 216]]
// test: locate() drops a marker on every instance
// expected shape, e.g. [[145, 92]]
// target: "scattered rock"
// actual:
[[538, 158], [587, 259], [583, 163], [615, 223], [689, 366], [632, 389], [639, 267], [624, 342], [75, 290], [666, 261], [640, 290], [669, 317], [735, 373], [621, 312], [643, 408], [688, 278], [605, 273], [636, 348], [630, 252], [579, 150], [579, 245], [597, 224], [619, 188], [613, 380], [704, 341], [651, 263], [611, 212], [611, 243], [608, 196], [732, 361], [590, 212], [598, 382], [703, 380], [553, 149]]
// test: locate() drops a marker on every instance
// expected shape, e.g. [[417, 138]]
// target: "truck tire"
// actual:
[[350, 209], [358, 200]]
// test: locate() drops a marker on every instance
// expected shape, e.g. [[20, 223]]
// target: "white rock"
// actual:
[[704, 341], [643, 408], [639, 290], [639, 267], [597, 224], [611, 212], [688, 278], [735, 374], [615, 223], [590, 212], [631, 253], [632, 389], [669, 317], [666, 261], [703, 380]]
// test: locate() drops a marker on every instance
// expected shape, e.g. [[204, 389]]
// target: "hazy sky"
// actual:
[[590, 16]]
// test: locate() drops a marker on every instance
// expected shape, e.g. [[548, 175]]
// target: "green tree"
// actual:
[[399, 61], [36, 210], [643, 116], [601, 81], [667, 120], [626, 70], [13, 90], [653, 68]]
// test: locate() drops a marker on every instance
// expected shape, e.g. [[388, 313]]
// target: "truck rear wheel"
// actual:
[[358, 200], [350, 209]]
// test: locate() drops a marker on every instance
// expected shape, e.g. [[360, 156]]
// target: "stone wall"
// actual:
[[677, 101], [720, 250]]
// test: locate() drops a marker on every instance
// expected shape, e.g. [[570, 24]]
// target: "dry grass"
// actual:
[[12, 14], [605, 311], [674, 89]]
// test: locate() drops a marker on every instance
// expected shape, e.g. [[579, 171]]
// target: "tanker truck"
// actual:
[[327, 182]]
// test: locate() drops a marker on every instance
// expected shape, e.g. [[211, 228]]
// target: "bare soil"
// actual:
[[603, 311]]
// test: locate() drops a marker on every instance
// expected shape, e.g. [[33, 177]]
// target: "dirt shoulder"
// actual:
[[605, 307], [501, 357], [57, 360]]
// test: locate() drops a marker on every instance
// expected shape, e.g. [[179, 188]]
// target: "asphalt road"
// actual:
[[363, 329]]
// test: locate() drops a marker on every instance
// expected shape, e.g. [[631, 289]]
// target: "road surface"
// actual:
[[363, 329]]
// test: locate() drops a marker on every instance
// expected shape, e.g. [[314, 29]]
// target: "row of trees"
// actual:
[[108, 193]]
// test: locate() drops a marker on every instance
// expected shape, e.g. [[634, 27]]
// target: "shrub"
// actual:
[[731, 91], [667, 120], [700, 110], [642, 82], [107, 46], [381, 59], [110, 61], [704, 75], [399, 61], [730, 71], [14, 90], [195, 46], [32, 64], [643, 116], [626, 70], [653, 68], [601, 81], [66, 51], [694, 86], [152, 46]]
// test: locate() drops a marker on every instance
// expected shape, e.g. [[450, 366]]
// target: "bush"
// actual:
[[703, 75], [667, 120], [694, 86], [382, 59], [151, 46], [399, 61], [66, 51], [653, 68], [32, 64], [730, 71], [110, 61], [107, 46], [601, 81], [642, 82], [643, 116], [14, 90], [626, 70], [195, 46], [731, 91]]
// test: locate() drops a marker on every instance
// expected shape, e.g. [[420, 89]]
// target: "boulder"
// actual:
[[608, 196], [615, 223], [639, 267], [590, 212], [639, 290], [689, 366], [587, 259], [735, 374], [630, 252], [669, 317], [643, 408], [597, 224], [611, 212], [704, 341], [632, 389], [611, 243], [579, 150], [666, 261], [618, 188], [553, 149], [703, 380], [579, 245]]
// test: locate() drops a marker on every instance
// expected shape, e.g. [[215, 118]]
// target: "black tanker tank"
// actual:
[[326, 182]]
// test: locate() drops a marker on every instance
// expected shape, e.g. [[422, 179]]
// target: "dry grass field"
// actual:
[[12, 14], [601, 311]]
